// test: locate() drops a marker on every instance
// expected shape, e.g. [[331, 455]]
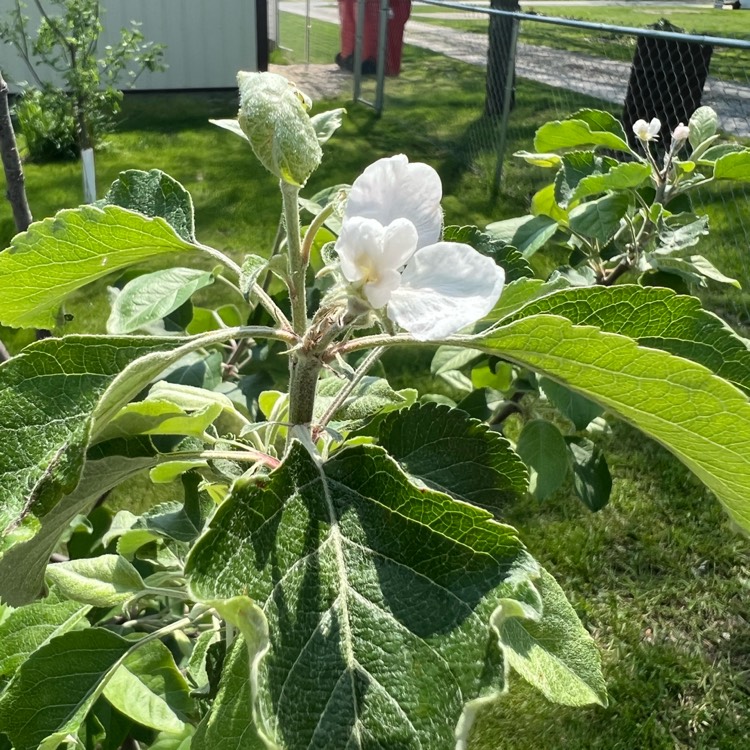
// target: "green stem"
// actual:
[[312, 230], [303, 382], [297, 265], [246, 455]]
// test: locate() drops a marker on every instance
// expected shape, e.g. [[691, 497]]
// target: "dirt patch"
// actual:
[[317, 81]]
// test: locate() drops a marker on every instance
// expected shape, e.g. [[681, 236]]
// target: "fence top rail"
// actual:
[[716, 41]]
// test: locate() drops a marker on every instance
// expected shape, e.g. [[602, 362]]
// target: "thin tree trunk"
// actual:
[[16, 191]]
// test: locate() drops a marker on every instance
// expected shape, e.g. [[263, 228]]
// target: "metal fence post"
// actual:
[[382, 51], [507, 99]]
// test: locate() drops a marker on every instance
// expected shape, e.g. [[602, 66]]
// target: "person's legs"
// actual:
[[347, 10], [401, 10]]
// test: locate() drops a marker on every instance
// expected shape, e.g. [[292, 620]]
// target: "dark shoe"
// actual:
[[345, 63], [369, 67]]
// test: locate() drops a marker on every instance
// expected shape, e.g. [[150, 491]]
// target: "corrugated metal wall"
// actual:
[[208, 41]]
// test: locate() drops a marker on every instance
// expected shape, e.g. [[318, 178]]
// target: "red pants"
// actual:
[[398, 16]]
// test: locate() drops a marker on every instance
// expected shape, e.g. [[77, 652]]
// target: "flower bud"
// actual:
[[680, 134], [273, 115]]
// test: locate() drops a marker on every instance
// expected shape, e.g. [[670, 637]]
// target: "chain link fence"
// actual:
[[469, 117]]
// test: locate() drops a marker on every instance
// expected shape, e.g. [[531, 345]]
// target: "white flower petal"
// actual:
[[399, 243], [379, 292], [393, 189], [445, 287], [359, 246], [654, 127]]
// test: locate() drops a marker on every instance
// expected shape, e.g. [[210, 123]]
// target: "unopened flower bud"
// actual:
[[273, 115], [680, 134]]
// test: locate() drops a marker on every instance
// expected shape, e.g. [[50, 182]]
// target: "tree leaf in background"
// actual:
[[527, 233], [505, 255], [579, 410], [28, 628], [591, 478], [542, 448]]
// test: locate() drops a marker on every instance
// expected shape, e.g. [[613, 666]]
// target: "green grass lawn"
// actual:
[[728, 64], [658, 577]]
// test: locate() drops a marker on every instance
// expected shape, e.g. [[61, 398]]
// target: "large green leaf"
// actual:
[[28, 628], [56, 256], [455, 454], [150, 689], [378, 595], [585, 128], [733, 167], [48, 396], [53, 690], [702, 419], [575, 167], [107, 465], [526, 233], [657, 318], [154, 193], [626, 176], [600, 219]]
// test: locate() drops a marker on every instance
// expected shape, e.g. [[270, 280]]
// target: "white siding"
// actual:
[[208, 41]]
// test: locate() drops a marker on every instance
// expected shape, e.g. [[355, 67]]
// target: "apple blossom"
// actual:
[[389, 252], [647, 131]]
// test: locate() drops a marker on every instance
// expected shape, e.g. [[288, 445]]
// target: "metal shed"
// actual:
[[208, 41]]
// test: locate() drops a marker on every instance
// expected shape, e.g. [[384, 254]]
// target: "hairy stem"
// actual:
[[297, 264], [303, 380]]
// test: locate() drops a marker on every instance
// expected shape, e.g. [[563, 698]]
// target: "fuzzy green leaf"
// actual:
[[152, 296], [56, 256], [455, 454], [28, 628], [102, 581], [108, 465], [547, 645], [378, 595], [55, 688], [702, 419], [155, 193], [627, 176], [703, 124], [48, 396], [150, 689], [527, 233], [591, 477]]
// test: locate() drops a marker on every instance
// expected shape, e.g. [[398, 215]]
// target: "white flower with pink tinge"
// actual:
[[389, 248]]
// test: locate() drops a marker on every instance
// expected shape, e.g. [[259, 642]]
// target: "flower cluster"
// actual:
[[390, 253]]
